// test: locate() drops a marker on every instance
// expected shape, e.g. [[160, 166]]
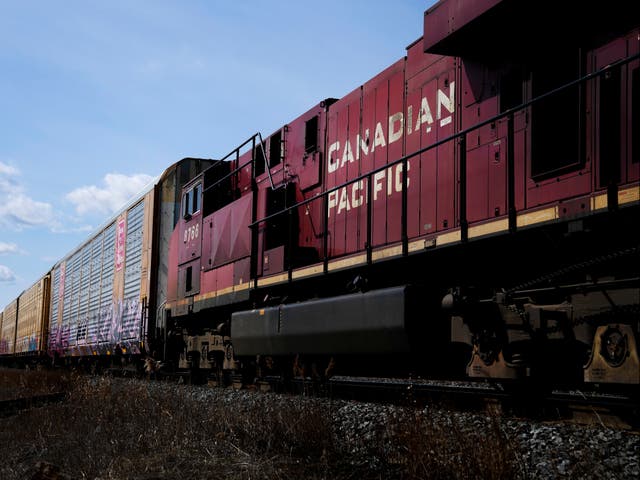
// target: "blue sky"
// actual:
[[98, 97]]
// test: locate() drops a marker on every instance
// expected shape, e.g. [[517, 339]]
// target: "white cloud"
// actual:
[[23, 211], [17, 210], [8, 248], [7, 183], [8, 170], [117, 190], [6, 275]]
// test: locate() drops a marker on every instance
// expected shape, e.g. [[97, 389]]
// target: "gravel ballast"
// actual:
[[127, 428]]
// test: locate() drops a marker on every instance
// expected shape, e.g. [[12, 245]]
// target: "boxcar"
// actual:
[[8, 333], [33, 319], [102, 291]]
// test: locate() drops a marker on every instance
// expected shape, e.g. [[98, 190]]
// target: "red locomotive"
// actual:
[[471, 210]]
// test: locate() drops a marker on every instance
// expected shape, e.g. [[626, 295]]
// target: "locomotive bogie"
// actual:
[[614, 356], [571, 341], [206, 352]]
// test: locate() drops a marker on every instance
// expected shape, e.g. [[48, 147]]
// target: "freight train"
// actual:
[[471, 211]]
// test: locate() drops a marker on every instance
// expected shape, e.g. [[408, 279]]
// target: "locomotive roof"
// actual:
[[496, 27]]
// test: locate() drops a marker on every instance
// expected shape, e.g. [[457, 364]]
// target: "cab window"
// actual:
[[191, 201]]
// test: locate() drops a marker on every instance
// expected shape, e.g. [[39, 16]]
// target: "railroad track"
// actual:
[[613, 409], [503, 398], [528, 401]]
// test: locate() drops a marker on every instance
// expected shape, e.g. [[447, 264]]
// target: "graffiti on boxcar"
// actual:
[[101, 330]]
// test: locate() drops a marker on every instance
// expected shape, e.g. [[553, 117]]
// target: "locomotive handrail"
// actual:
[[461, 133], [240, 167], [235, 151], [266, 164], [463, 221]]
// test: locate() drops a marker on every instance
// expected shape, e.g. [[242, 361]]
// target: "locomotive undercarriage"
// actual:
[[568, 311], [591, 335], [202, 347], [579, 323], [209, 353], [571, 318]]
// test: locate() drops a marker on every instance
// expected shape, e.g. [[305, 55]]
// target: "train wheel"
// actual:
[[614, 356]]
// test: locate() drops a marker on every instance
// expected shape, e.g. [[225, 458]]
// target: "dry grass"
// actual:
[[115, 429], [434, 450], [16, 383]]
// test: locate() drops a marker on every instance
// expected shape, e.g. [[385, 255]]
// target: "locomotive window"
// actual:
[[259, 159], [186, 202], [189, 279], [191, 201], [197, 190], [311, 135], [275, 149]]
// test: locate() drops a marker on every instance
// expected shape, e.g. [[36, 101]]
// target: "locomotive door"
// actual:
[[279, 235], [616, 120], [190, 240]]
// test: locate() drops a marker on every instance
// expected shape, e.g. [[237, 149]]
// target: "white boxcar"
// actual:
[[100, 290]]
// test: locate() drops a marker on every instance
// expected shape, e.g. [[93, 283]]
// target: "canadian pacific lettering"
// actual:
[[354, 149]]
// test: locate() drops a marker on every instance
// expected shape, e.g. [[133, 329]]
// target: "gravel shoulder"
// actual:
[[125, 428]]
